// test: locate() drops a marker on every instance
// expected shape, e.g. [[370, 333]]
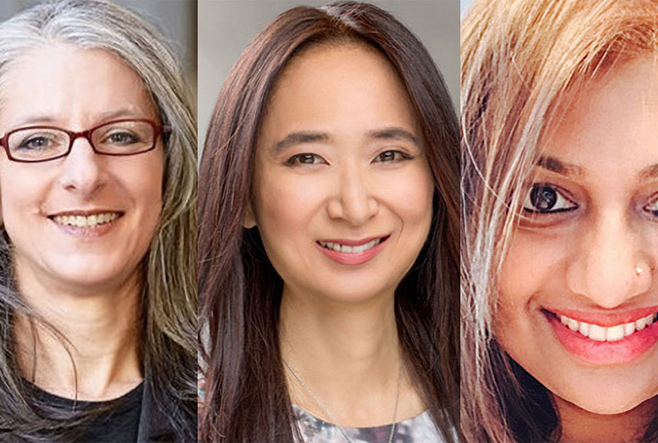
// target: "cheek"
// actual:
[[409, 193], [144, 182], [535, 263], [285, 204], [21, 194]]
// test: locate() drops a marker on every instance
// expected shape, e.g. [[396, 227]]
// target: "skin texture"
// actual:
[[87, 286], [349, 191], [337, 318], [586, 257]]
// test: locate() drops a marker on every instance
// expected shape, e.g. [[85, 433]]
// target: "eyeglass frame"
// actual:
[[158, 130]]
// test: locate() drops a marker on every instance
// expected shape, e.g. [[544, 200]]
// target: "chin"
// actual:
[[90, 278], [356, 290], [615, 401]]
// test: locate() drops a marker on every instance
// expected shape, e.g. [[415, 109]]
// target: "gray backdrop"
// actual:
[[175, 19], [227, 26]]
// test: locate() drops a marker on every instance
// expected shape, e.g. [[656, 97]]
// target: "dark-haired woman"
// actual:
[[328, 237], [560, 222]]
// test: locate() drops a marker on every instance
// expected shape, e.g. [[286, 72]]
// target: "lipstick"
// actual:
[[352, 252]]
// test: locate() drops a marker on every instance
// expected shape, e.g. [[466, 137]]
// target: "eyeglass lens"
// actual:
[[115, 138]]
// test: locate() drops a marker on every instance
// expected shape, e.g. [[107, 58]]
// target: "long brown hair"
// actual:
[[521, 60], [246, 398]]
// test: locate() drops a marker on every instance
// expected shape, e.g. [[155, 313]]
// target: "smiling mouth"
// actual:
[[351, 249], [86, 221], [602, 333]]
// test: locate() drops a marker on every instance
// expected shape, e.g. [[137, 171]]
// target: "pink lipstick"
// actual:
[[606, 338], [352, 252]]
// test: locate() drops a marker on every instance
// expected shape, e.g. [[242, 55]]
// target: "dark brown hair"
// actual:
[[246, 398]]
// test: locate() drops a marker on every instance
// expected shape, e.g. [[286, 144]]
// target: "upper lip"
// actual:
[[353, 242], [606, 319], [84, 212]]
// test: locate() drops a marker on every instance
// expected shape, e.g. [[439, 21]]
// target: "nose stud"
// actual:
[[639, 270]]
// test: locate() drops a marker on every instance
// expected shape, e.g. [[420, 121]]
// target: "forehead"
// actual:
[[612, 121], [70, 85], [338, 86]]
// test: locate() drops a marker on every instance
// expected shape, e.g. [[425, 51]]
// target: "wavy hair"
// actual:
[[169, 291], [246, 396], [522, 62]]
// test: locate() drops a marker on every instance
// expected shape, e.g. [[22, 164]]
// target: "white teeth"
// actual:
[[643, 322], [597, 332], [350, 249], [612, 333], [81, 221], [615, 333]]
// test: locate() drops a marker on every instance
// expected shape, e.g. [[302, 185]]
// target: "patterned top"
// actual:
[[418, 429]]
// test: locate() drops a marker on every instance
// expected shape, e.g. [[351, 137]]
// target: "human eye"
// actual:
[[392, 156], [545, 198], [305, 159], [121, 138], [40, 141], [652, 206]]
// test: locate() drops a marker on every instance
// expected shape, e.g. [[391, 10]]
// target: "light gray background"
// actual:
[[175, 19], [464, 5], [227, 26]]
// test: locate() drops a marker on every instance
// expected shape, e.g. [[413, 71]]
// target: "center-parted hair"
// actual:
[[168, 317], [523, 63], [246, 397]]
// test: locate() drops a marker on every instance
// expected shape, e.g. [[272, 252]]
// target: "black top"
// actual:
[[135, 417], [117, 423]]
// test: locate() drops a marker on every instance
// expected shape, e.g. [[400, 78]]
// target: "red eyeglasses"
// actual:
[[34, 144]]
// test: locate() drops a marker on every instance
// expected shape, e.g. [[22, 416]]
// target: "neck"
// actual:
[[579, 425], [348, 355], [94, 353]]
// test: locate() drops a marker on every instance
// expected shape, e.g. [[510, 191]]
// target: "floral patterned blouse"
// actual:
[[418, 429]]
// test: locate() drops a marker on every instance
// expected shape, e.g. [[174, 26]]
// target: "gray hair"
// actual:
[[170, 289]]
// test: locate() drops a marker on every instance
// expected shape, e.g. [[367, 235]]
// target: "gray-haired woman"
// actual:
[[97, 252]]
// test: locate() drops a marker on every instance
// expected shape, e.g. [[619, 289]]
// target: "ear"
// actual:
[[249, 220]]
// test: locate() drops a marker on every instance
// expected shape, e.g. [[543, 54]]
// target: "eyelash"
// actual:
[[561, 199], [297, 159], [398, 156], [558, 197], [652, 211], [390, 156]]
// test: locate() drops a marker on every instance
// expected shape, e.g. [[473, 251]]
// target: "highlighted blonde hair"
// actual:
[[522, 62]]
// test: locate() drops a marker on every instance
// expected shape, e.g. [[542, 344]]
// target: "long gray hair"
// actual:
[[169, 300]]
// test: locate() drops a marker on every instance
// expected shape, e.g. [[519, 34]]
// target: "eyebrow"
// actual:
[[302, 137], [50, 117], [394, 134], [560, 167], [650, 172], [299, 138]]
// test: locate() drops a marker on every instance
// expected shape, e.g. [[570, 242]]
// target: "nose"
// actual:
[[82, 172], [612, 265], [353, 200]]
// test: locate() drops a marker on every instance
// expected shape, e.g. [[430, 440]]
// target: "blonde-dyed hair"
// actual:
[[169, 297], [522, 61]]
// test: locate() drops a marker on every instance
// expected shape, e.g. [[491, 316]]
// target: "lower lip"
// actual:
[[87, 232], [359, 258], [602, 352]]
